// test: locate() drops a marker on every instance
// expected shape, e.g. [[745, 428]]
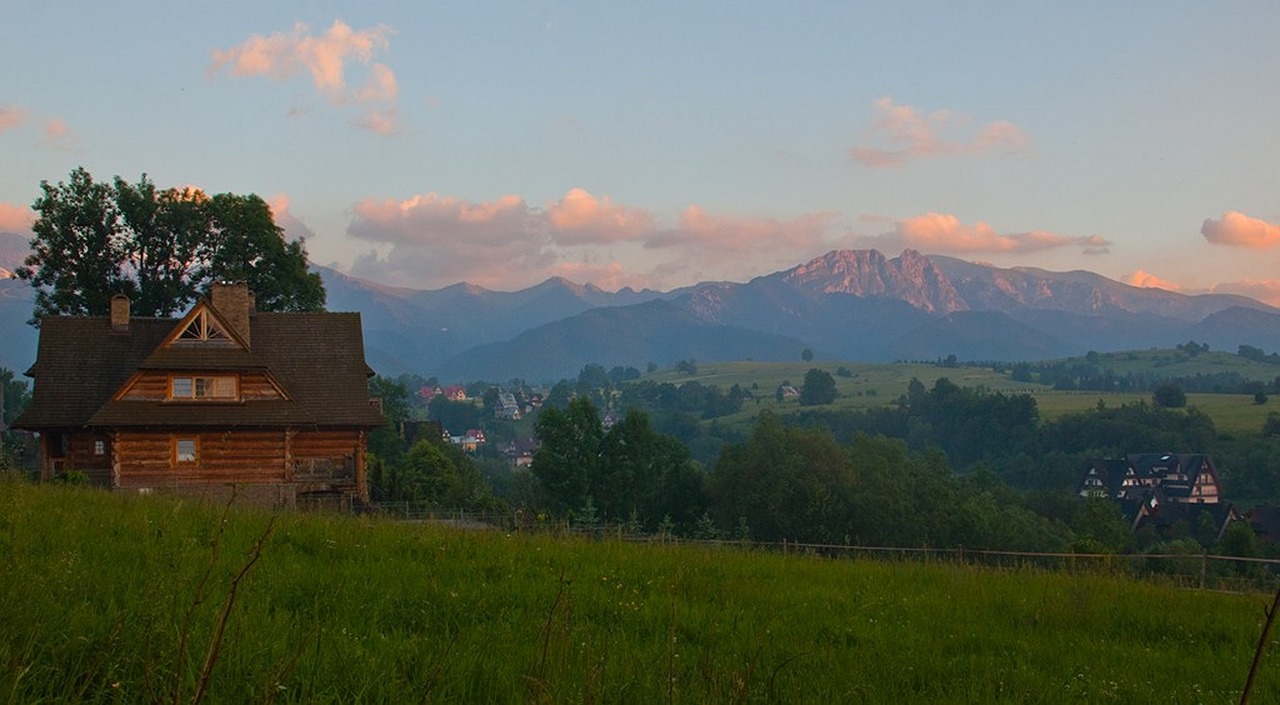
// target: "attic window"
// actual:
[[205, 388], [203, 328]]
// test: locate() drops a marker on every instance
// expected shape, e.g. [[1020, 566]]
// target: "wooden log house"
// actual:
[[274, 404]]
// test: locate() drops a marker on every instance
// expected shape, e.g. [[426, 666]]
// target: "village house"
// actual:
[[274, 404], [507, 407], [470, 441], [519, 453]]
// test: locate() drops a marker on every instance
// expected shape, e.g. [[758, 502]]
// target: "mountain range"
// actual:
[[846, 305]]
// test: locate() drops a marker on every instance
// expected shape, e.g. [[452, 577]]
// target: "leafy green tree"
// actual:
[[427, 473], [15, 396], [645, 473], [393, 395], [819, 388], [806, 355], [78, 253], [560, 395], [160, 247], [568, 454], [1169, 396], [456, 416], [442, 475], [1239, 540], [163, 232], [786, 482]]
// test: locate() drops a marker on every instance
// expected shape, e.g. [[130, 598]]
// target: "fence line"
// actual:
[[1240, 572]]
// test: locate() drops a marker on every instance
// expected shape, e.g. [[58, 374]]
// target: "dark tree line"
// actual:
[[705, 401]]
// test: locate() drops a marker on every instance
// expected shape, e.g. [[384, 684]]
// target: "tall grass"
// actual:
[[97, 589]]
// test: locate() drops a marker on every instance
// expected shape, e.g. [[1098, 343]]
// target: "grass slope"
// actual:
[[112, 598]]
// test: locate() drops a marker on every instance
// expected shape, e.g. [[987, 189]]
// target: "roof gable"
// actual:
[[315, 359], [203, 325]]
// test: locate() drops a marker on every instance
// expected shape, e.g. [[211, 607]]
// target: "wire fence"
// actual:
[[1201, 570]]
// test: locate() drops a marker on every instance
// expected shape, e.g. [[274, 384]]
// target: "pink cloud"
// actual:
[[432, 219], [700, 230], [943, 233], [12, 116], [1146, 280], [380, 87], [443, 239], [58, 134], [16, 219], [1239, 230], [580, 218], [294, 228], [1264, 290], [325, 57], [382, 122], [901, 132]]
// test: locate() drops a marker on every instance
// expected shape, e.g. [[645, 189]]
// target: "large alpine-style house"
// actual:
[[1187, 478], [1160, 490], [275, 404]]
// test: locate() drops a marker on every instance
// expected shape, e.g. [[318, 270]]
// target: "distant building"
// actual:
[[470, 441], [507, 407]]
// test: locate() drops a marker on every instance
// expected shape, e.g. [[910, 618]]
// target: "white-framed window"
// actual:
[[99, 447], [204, 387], [186, 449]]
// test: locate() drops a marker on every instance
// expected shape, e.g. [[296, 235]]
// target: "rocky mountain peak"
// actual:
[[910, 277]]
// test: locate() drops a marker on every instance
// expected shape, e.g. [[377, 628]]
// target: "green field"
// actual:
[[118, 598], [881, 384]]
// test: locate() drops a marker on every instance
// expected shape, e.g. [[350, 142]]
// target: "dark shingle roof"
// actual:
[[318, 358]]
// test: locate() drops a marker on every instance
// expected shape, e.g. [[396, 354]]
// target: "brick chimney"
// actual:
[[235, 304], [119, 313]]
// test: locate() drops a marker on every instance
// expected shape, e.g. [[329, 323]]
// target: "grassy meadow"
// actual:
[[120, 598]]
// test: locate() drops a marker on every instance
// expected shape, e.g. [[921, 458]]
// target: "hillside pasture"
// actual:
[[873, 385], [120, 598]]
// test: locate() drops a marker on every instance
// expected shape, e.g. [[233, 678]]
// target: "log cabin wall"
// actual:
[[149, 459], [257, 386], [90, 453], [329, 461], [341, 443]]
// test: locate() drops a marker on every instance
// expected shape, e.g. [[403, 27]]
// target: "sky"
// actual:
[[657, 145]]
